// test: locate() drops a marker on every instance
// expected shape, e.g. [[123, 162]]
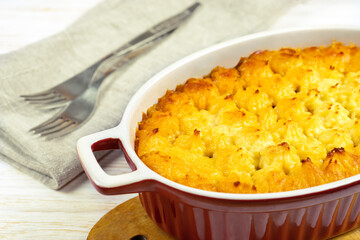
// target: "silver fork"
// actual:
[[59, 95], [62, 93], [81, 107]]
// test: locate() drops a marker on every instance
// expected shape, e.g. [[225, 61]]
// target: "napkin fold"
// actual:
[[103, 29]]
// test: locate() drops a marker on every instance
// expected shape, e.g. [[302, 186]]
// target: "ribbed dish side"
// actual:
[[320, 221]]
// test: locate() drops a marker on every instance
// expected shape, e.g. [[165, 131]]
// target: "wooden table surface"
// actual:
[[28, 209]]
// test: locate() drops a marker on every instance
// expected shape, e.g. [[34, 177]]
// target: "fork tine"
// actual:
[[42, 97], [49, 121], [49, 126], [39, 94], [62, 132], [58, 128], [47, 101]]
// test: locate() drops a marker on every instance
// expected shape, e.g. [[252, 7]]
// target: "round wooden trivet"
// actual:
[[129, 221]]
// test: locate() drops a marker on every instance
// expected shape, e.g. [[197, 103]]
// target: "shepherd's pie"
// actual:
[[279, 120]]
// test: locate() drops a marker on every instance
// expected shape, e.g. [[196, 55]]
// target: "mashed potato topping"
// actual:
[[278, 121]]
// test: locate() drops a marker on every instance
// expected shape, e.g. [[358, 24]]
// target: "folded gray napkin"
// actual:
[[103, 29]]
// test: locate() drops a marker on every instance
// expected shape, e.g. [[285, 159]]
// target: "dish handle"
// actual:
[[138, 180]]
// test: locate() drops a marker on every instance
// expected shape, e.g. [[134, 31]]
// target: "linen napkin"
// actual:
[[101, 30]]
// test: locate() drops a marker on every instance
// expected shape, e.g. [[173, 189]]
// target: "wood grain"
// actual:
[[125, 222], [352, 235], [23, 22], [29, 210]]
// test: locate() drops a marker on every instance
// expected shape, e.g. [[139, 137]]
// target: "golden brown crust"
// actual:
[[278, 121]]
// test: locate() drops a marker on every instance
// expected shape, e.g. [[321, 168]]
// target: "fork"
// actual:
[[81, 108], [62, 93], [59, 95], [77, 111]]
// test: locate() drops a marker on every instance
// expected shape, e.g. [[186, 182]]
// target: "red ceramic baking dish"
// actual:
[[187, 213]]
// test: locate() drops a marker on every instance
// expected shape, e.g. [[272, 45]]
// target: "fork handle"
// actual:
[[108, 64], [105, 67], [114, 60], [136, 181]]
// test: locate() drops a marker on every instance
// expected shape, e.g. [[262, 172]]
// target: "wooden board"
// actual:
[[129, 221]]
